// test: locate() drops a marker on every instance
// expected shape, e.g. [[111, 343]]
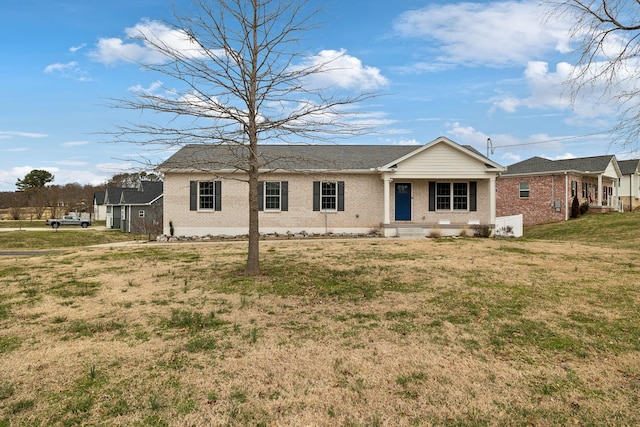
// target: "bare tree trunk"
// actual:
[[253, 254], [252, 267]]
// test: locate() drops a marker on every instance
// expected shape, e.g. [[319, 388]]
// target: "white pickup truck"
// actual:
[[69, 220]]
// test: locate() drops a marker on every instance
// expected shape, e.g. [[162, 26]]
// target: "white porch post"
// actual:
[[600, 190], [387, 198], [567, 192], [492, 200]]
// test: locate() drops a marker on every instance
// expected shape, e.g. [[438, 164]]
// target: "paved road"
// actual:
[[51, 229]]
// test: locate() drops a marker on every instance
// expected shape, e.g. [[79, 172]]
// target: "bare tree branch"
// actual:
[[242, 81], [607, 35]]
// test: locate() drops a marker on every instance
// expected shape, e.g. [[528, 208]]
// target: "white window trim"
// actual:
[[520, 190], [452, 196], [335, 197], [265, 196], [213, 197]]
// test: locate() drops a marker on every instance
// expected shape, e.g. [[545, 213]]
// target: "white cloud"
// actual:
[[9, 177], [152, 89], [564, 156], [134, 48], [74, 49], [510, 158], [504, 145], [344, 71], [75, 143], [70, 163], [545, 87], [411, 141], [70, 70], [495, 34], [548, 90], [9, 134]]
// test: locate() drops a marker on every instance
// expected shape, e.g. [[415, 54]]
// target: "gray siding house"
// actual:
[[135, 210], [438, 187]]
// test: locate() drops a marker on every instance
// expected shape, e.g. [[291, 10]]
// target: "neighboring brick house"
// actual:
[[542, 190], [629, 191], [332, 189]]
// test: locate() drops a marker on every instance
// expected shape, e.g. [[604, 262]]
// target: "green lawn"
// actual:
[[617, 230], [539, 331]]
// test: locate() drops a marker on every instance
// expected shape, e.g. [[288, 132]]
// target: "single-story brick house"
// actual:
[[135, 210], [629, 191], [542, 190], [321, 189]]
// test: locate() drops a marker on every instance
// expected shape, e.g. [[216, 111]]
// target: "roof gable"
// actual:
[[463, 150]]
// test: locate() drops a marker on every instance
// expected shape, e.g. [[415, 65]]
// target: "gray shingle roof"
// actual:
[[147, 193], [98, 196], [541, 165], [628, 167], [112, 196], [290, 157]]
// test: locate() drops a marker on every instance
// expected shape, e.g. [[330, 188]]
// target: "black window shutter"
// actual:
[[432, 195], [193, 195], [284, 196], [316, 195], [473, 205], [260, 195], [218, 194], [340, 195]]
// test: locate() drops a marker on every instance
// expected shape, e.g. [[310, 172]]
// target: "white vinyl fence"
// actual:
[[509, 226]]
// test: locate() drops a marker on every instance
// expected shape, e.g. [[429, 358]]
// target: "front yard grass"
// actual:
[[61, 238], [358, 332]]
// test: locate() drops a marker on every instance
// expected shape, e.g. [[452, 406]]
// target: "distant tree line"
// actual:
[[36, 198]]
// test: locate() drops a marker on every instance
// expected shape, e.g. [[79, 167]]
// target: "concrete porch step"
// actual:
[[410, 233]]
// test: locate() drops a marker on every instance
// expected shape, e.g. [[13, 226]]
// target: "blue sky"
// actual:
[[466, 70]]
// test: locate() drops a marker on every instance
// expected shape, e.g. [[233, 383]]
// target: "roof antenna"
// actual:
[[489, 145]]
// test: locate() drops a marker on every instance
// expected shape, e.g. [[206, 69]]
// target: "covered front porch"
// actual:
[[438, 207]]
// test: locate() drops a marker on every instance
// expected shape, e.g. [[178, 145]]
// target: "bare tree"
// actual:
[[149, 222], [607, 35], [132, 180], [239, 78]]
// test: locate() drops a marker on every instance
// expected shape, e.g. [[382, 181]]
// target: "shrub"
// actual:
[[481, 230], [575, 207], [584, 208], [435, 233]]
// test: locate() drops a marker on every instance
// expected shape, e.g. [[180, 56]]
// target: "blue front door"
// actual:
[[403, 202]]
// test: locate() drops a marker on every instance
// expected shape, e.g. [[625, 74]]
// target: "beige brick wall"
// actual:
[[364, 209], [363, 206]]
